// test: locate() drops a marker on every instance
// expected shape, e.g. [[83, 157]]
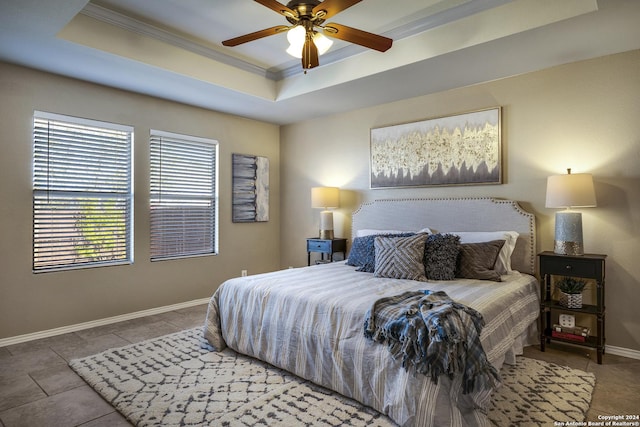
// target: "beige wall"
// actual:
[[584, 115], [34, 302]]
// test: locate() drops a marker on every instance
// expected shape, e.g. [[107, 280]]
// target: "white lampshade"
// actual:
[[569, 191], [325, 198]]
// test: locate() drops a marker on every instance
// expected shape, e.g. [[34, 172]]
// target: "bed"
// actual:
[[309, 320]]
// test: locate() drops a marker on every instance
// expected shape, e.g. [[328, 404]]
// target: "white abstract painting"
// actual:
[[461, 149]]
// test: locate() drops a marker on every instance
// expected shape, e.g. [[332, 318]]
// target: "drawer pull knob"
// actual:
[[568, 267]]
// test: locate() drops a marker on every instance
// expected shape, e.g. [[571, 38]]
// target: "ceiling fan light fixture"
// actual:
[[296, 35], [306, 16], [295, 50], [322, 43]]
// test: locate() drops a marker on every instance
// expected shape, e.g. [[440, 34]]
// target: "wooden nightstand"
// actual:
[[325, 246], [587, 266]]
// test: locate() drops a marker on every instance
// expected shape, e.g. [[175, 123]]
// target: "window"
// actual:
[[184, 196], [82, 193]]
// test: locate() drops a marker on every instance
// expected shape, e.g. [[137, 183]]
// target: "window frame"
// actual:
[[38, 191], [155, 136]]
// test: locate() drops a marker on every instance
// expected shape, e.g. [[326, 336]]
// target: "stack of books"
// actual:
[[571, 333]]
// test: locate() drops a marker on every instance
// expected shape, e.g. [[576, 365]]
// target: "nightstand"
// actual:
[[587, 266], [325, 246]]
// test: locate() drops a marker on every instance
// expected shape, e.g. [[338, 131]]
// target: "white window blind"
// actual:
[[82, 193], [183, 196]]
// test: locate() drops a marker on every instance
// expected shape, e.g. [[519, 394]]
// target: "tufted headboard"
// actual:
[[464, 214]]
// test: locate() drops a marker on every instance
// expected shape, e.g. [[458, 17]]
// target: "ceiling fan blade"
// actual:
[[255, 36], [331, 7], [353, 35], [276, 6], [309, 55]]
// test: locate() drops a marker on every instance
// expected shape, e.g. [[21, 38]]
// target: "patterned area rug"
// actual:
[[171, 381]]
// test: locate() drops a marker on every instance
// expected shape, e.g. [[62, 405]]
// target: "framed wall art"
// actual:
[[462, 149], [250, 199]]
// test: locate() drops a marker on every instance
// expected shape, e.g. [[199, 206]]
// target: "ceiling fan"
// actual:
[[306, 16]]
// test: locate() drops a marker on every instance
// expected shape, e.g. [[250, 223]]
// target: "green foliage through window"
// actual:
[[103, 230]]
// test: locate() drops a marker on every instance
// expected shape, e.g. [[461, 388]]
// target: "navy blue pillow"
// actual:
[[363, 251]]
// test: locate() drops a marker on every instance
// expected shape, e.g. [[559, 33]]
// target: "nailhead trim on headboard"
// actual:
[[454, 214]]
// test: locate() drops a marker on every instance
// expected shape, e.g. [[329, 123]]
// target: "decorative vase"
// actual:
[[570, 300]]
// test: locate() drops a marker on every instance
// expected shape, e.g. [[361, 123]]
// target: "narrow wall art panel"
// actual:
[[462, 149], [250, 188]]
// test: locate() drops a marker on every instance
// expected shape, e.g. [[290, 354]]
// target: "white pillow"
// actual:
[[370, 231], [503, 263]]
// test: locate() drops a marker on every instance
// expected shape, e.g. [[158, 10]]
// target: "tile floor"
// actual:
[[37, 388]]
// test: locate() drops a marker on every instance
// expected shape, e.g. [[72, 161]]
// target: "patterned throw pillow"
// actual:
[[441, 256], [363, 254], [400, 257], [477, 260]]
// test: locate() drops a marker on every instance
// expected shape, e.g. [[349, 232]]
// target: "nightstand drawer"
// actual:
[[319, 246], [569, 266]]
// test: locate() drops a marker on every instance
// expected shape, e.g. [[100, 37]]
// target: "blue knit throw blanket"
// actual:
[[434, 335]]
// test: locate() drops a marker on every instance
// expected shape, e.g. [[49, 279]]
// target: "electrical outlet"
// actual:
[[243, 273]]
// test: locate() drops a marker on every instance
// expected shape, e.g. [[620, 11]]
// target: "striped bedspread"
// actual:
[[309, 321]]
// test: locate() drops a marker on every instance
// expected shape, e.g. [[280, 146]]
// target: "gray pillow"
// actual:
[[363, 253], [477, 260], [441, 256], [400, 257]]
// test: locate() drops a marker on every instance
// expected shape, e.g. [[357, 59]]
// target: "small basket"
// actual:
[[570, 300]]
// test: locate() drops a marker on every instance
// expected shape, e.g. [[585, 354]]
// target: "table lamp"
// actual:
[[569, 191], [325, 198]]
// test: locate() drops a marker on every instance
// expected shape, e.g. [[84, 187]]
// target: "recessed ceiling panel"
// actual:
[[211, 21]]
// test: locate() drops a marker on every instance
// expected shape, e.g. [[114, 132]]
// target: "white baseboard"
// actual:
[[100, 322], [621, 351]]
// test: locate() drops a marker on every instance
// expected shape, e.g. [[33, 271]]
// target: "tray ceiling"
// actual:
[[172, 48]]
